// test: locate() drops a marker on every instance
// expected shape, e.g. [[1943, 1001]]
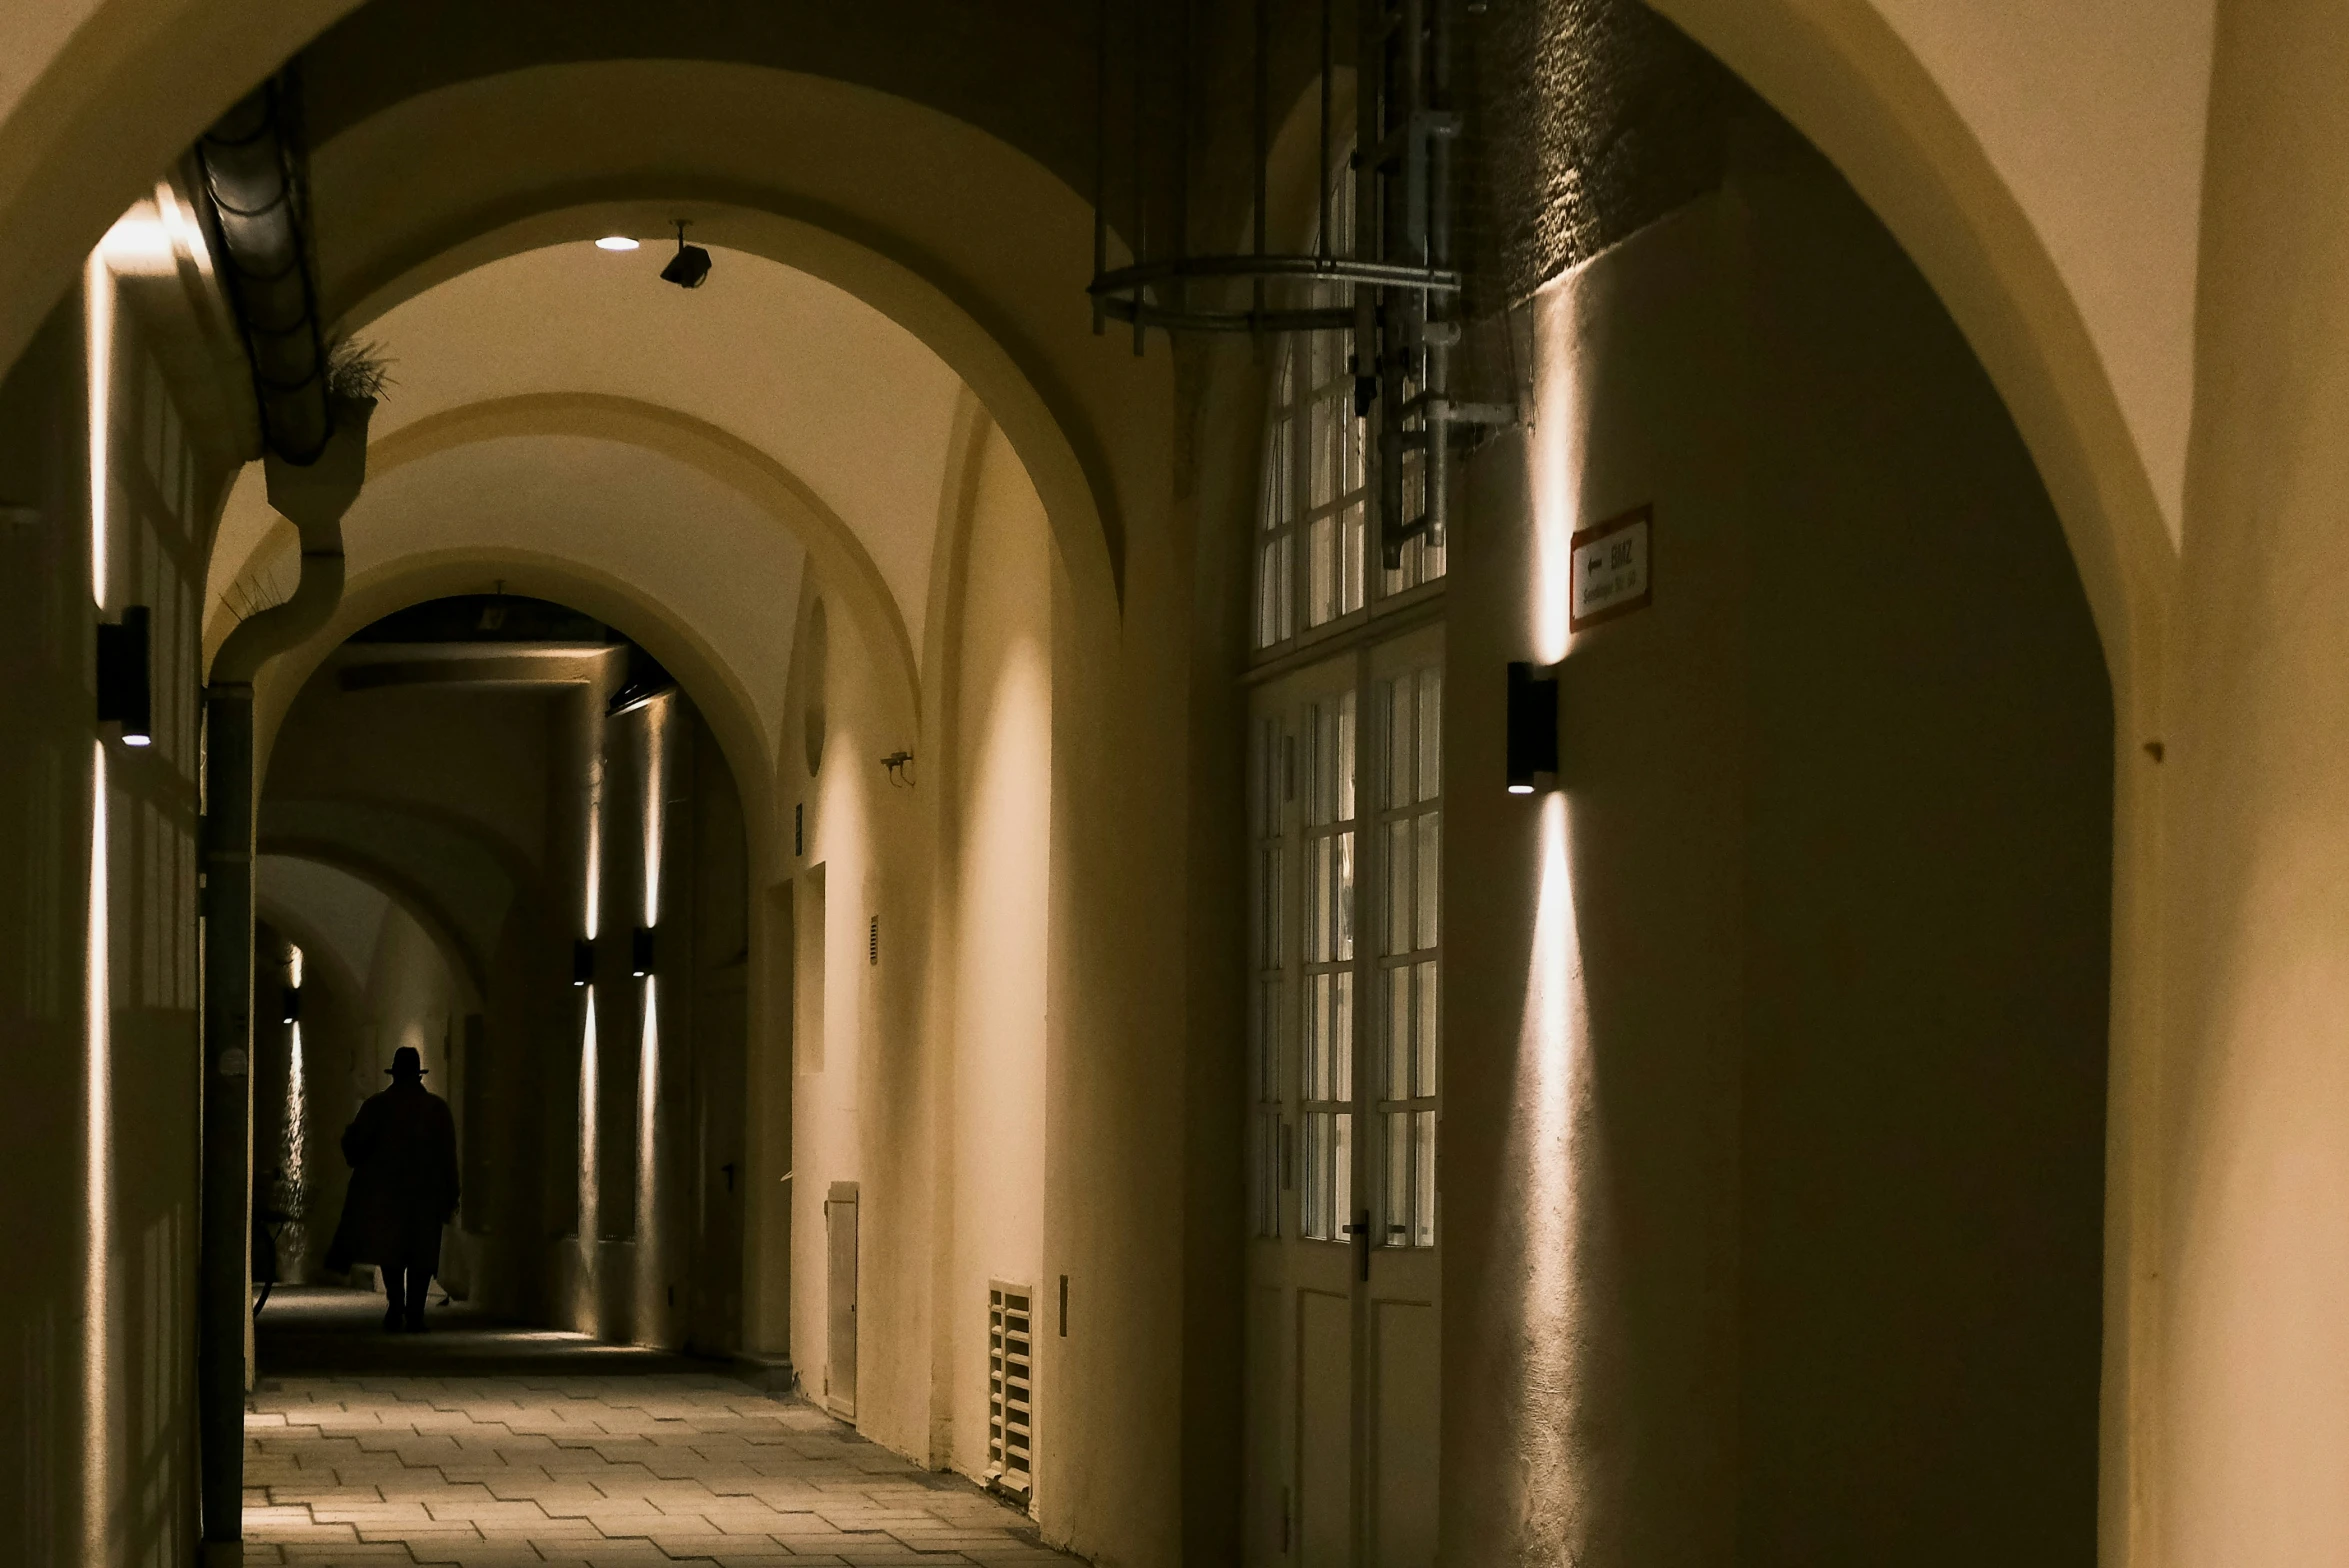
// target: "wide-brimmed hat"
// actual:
[[405, 1063]]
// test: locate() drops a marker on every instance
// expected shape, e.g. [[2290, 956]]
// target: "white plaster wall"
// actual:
[[2093, 112], [826, 1102], [410, 1002], [1000, 912]]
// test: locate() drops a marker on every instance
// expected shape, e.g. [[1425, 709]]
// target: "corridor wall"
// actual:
[[995, 908], [116, 447], [1776, 1041]]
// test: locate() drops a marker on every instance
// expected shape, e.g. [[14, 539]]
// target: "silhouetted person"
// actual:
[[402, 1147]]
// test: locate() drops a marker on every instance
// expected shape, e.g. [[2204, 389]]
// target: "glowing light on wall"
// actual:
[[98, 1424], [98, 341], [656, 732], [593, 873], [297, 1100], [589, 1117], [142, 242], [145, 241], [1545, 1148], [648, 1092]]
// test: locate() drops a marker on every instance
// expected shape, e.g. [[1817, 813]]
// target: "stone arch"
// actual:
[[840, 559], [666, 633], [465, 967], [1841, 75], [793, 168]]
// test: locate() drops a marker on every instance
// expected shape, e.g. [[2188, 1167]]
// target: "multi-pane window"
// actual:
[[1328, 967], [1316, 548], [1346, 931], [1316, 491], [1269, 792], [1410, 825]]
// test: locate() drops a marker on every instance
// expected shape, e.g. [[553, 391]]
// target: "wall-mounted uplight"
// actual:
[[583, 962], [125, 689], [615, 242], [640, 952], [1533, 728], [293, 1005]]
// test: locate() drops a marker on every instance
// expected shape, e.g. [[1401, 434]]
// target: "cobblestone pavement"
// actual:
[[594, 1470]]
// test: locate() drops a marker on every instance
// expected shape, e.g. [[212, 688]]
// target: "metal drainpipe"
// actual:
[[254, 210], [314, 499], [316, 458]]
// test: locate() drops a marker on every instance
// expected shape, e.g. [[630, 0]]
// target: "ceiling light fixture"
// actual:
[[690, 267], [615, 242]]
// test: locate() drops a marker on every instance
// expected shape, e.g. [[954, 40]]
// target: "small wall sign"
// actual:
[[1613, 569]]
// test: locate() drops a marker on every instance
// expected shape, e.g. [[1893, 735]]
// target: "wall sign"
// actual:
[[1613, 569]]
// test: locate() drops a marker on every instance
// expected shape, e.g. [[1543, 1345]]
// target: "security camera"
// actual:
[[690, 267]]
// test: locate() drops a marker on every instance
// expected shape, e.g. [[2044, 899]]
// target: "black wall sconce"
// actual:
[[1533, 727], [293, 1004], [125, 686], [583, 962], [640, 949]]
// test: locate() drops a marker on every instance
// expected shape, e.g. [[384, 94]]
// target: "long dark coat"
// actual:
[[402, 1149]]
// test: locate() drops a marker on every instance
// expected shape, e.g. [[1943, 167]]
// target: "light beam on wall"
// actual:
[[593, 873], [656, 746], [648, 1092], [98, 344], [98, 1187], [297, 1098], [1544, 1153], [589, 1111]]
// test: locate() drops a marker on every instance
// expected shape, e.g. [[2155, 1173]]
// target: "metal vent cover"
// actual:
[[1011, 1386]]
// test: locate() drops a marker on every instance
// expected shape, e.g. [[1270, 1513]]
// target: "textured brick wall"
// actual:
[[1589, 119]]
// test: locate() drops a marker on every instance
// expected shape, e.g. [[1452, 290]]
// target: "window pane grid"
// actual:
[[1328, 952], [1410, 789], [1268, 773]]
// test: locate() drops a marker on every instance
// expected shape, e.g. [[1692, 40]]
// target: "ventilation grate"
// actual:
[[1010, 1386]]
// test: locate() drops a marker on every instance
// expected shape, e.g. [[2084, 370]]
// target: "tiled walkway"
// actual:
[[502, 1454]]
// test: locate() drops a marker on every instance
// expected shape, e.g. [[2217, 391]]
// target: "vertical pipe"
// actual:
[[1101, 166], [1141, 186], [1438, 90], [1322, 170], [1182, 149], [1263, 141], [1374, 237], [223, 1273], [314, 498]]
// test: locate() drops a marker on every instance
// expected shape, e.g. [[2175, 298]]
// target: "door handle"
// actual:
[[1360, 1231]]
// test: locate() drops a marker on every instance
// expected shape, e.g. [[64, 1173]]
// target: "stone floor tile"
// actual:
[[564, 1469]]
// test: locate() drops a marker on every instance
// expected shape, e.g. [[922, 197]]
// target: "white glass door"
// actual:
[[1345, 819]]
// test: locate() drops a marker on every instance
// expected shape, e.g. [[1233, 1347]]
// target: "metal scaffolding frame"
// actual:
[[1402, 278]]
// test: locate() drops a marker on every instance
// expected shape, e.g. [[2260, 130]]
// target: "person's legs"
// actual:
[[419, 1277], [392, 1313]]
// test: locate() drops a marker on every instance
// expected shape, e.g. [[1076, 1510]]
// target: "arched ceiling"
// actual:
[[850, 402], [2091, 114], [332, 907], [845, 403]]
